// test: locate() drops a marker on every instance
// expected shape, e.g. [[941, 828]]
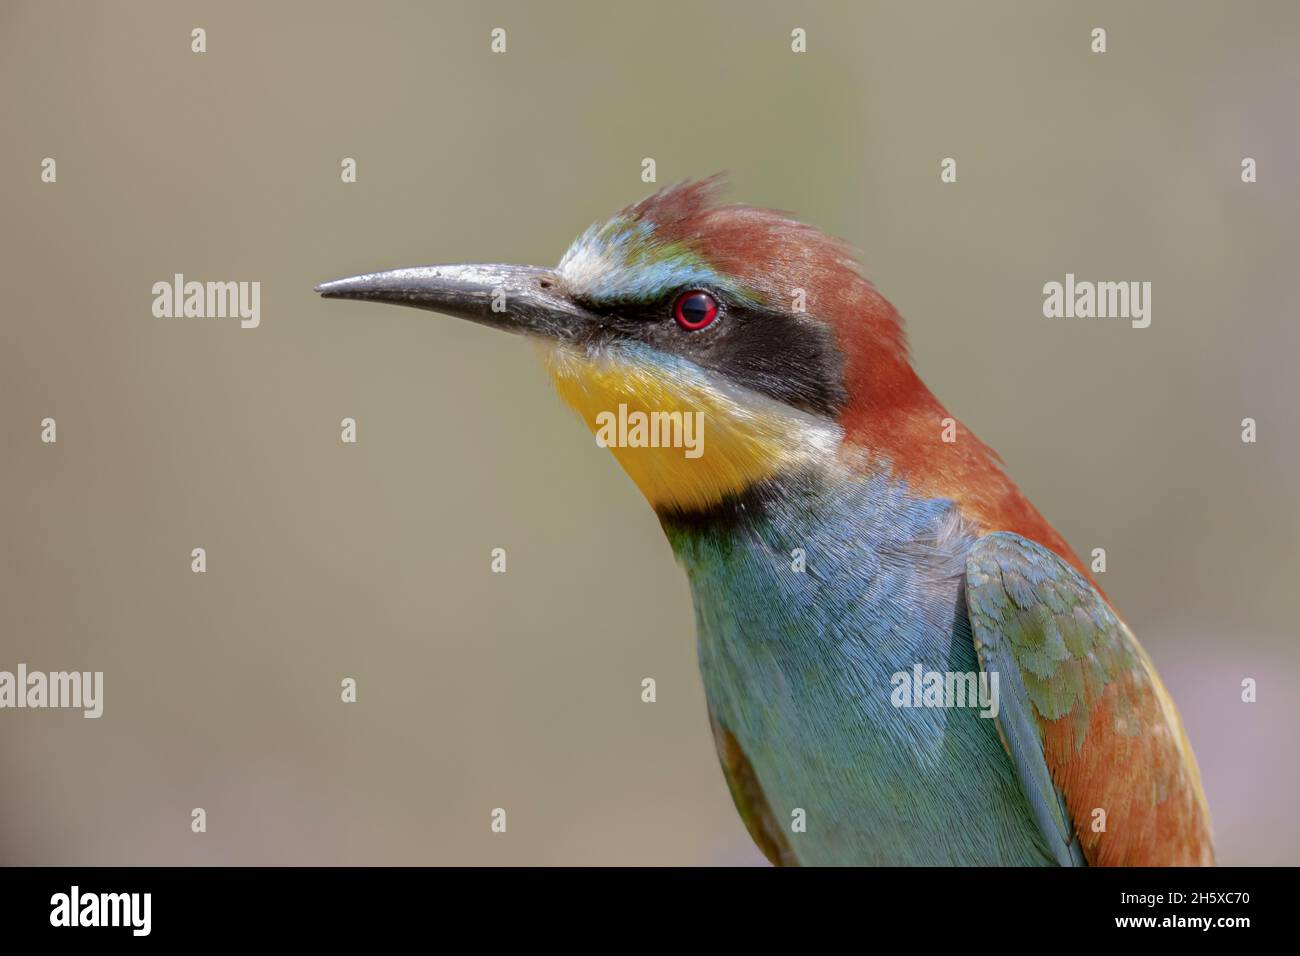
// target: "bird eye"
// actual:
[[694, 310]]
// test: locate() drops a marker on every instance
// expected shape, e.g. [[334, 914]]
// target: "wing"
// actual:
[[1082, 712], [748, 797]]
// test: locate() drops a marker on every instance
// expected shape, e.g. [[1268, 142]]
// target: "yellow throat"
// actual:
[[694, 438]]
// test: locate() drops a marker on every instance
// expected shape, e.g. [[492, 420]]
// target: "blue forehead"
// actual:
[[625, 261]]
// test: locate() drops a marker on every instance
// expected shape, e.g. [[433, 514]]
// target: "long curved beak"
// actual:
[[522, 299]]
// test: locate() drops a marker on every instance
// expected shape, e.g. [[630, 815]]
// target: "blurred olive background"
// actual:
[[522, 691]]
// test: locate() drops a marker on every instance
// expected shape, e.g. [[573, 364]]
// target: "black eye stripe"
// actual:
[[794, 359]]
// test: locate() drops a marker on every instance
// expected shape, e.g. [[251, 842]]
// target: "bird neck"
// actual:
[[899, 422], [704, 451]]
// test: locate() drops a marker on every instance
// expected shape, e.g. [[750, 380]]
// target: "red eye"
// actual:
[[695, 310]]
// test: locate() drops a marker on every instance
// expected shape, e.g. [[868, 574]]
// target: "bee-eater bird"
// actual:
[[855, 575]]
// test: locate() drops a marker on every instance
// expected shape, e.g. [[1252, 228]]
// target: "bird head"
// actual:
[[758, 327]]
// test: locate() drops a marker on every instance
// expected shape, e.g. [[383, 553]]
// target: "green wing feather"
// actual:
[[1082, 713]]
